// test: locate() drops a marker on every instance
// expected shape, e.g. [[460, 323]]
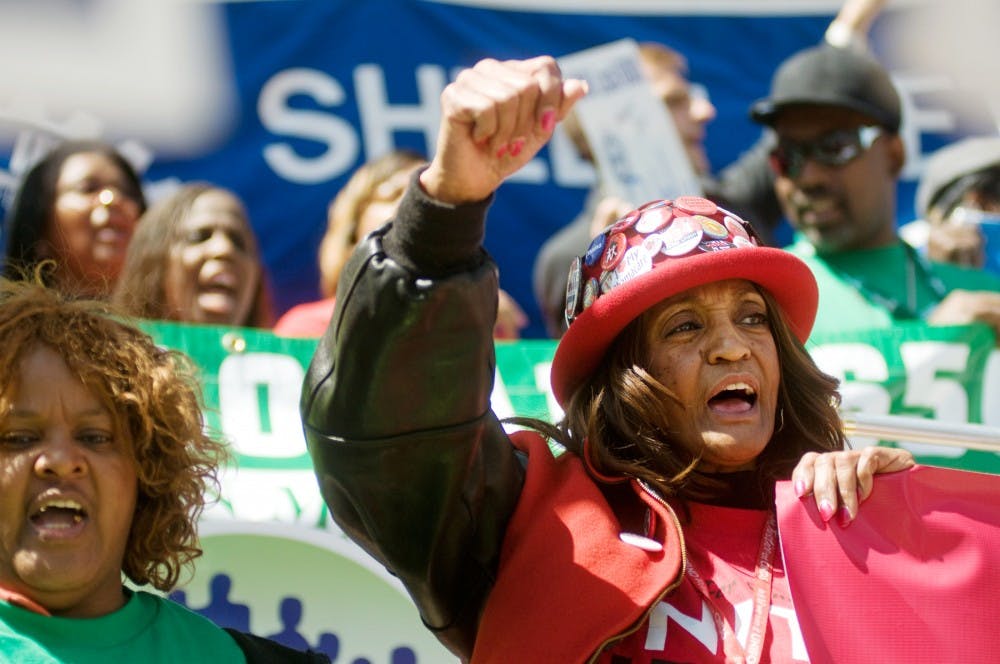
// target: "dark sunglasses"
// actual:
[[835, 148]]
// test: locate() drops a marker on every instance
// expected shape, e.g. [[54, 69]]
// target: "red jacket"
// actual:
[[563, 515]]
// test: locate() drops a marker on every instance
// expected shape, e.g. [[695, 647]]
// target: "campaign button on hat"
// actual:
[[654, 219], [659, 202], [681, 237], [696, 205], [741, 242], [613, 252], [595, 250], [652, 244], [573, 288], [712, 228], [625, 222], [591, 290], [715, 245], [636, 262], [736, 227], [608, 281]]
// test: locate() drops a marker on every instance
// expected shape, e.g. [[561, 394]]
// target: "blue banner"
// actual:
[[323, 85]]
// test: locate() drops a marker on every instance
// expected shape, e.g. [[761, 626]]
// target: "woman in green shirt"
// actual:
[[104, 462]]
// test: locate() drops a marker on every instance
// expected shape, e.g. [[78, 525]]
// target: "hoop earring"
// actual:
[[781, 419]]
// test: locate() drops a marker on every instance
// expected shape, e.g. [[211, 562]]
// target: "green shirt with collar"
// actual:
[[886, 274]]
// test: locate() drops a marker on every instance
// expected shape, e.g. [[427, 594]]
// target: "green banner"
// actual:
[[252, 380], [274, 557]]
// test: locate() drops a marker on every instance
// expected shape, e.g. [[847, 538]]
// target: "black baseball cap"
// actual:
[[830, 76]]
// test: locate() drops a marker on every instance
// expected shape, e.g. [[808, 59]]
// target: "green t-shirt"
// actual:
[[857, 288], [148, 629]]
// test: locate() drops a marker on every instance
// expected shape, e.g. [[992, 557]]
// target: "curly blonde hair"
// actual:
[[155, 401]]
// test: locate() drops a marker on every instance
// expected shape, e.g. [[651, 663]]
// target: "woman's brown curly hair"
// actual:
[[155, 401], [619, 413]]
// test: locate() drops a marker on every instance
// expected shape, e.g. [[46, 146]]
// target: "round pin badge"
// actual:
[[681, 237], [715, 245], [591, 291], [652, 244], [608, 281], [735, 227], [712, 228], [625, 222], [635, 263], [653, 219], [740, 242], [573, 288], [595, 250], [657, 203], [613, 252], [696, 205]]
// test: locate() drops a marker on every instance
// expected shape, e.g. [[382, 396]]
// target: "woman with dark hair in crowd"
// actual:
[[195, 259], [106, 462], [367, 201], [77, 207]]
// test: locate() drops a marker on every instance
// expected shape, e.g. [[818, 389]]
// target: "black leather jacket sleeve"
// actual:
[[413, 464], [258, 650]]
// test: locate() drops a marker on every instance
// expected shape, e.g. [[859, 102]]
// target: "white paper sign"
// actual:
[[637, 150]]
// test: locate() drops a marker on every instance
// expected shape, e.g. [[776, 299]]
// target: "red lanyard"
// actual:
[[735, 652]]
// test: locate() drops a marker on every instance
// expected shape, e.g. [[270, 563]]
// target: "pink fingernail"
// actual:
[[516, 146], [844, 518], [800, 488], [502, 151], [548, 120], [826, 510]]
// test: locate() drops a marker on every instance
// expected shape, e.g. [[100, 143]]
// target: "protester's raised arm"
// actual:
[[495, 117]]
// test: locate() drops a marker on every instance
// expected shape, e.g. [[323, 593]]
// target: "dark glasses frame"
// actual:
[[836, 148]]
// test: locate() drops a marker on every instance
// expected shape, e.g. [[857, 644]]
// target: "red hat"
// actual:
[[659, 250]]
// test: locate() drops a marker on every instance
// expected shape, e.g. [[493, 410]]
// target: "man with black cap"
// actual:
[[836, 115]]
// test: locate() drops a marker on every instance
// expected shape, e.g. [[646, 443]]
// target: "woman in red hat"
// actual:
[[641, 528]]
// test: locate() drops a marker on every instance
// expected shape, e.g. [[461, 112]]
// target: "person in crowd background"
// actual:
[[195, 259], [836, 114], [690, 110], [367, 201], [746, 185], [687, 394], [78, 206], [958, 202], [106, 462]]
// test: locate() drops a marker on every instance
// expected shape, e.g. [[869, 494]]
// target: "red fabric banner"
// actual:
[[914, 578]]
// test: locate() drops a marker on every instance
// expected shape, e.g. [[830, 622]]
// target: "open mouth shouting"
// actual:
[[733, 398], [58, 518]]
